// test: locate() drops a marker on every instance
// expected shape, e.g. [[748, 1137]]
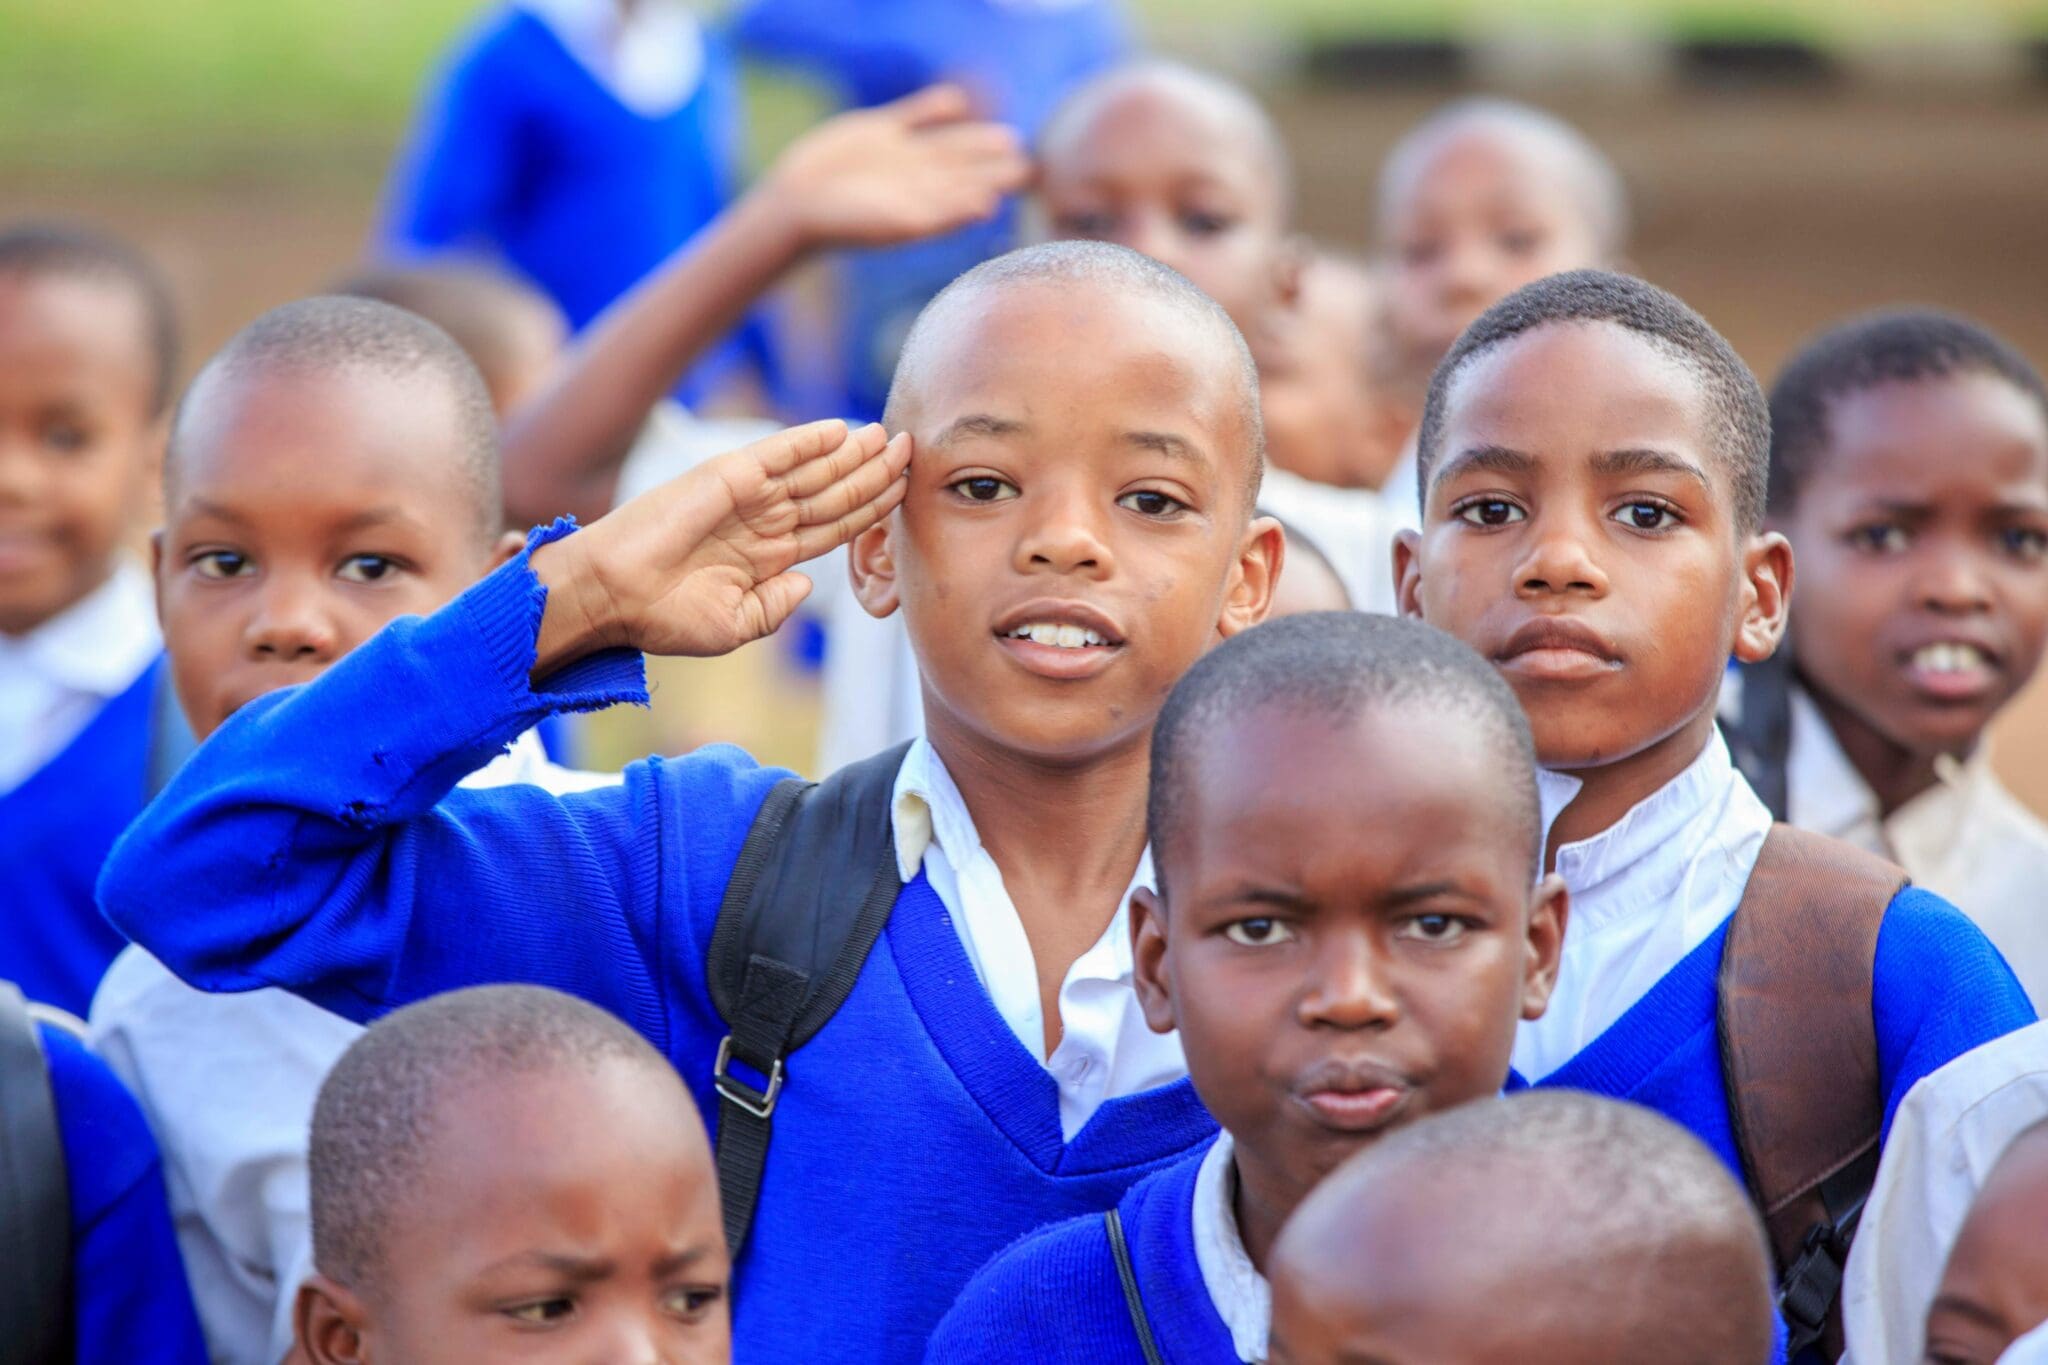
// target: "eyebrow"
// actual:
[[978, 424], [1497, 459], [679, 1261], [1404, 896], [577, 1269], [1166, 443], [1647, 461]]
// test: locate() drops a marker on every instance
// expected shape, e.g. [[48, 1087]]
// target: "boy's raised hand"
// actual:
[[703, 564], [919, 166]]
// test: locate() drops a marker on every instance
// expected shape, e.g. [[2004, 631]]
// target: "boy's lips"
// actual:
[[1952, 669], [1360, 1097], [1060, 639], [1557, 648]]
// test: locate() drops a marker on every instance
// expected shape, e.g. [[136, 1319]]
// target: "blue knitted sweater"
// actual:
[[915, 1137]]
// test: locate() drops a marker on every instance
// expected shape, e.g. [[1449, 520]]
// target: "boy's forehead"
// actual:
[[1176, 120], [1492, 163], [70, 322]]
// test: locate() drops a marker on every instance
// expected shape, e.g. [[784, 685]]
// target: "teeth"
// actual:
[[1947, 657], [1058, 636]]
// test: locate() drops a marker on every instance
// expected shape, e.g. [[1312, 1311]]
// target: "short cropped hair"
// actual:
[[484, 310], [1093, 266], [1901, 346], [79, 252], [381, 1106], [1593, 178], [1338, 664], [330, 332], [1741, 420]]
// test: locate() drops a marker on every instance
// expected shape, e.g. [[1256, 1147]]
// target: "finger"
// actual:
[[857, 488], [773, 602], [972, 141], [779, 452], [812, 541], [942, 103], [829, 467]]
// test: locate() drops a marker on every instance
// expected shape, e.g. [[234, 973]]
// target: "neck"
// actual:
[[1610, 790], [1262, 1207], [1894, 773]]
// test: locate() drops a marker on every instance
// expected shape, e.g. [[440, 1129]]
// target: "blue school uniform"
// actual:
[[1054, 1297], [129, 1296], [916, 1136], [55, 830], [1018, 58], [523, 153]]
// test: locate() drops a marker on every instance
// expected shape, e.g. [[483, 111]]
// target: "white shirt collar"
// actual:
[[99, 644], [651, 60], [1242, 1297], [1824, 792]]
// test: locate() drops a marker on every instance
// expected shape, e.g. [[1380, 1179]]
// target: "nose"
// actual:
[[1348, 986], [1151, 233], [1558, 561], [291, 625], [1952, 581], [635, 1340], [1064, 534], [1467, 274]]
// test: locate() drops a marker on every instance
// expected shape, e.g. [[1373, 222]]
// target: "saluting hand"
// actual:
[[703, 564]]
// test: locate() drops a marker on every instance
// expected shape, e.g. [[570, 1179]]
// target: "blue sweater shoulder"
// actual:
[[130, 1298]]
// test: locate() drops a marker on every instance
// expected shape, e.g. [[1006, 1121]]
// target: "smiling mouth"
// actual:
[[1952, 671], [1057, 635]]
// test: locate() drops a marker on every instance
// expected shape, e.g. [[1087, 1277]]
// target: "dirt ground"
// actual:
[[1773, 214]]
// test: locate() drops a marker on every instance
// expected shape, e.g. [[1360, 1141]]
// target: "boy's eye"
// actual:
[[1883, 538], [222, 564], [66, 437], [1417, 254], [1093, 224], [1152, 503], [985, 488], [1260, 932], [1434, 928], [2024, 542], [366, 568], [690, 1300], [543, 1312], [1520, 242], [1647, 516], [1199, 224], [1491, 512]]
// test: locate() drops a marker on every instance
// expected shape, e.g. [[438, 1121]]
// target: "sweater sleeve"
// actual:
[[315, 841], [1051, 1298], [1938, 989]]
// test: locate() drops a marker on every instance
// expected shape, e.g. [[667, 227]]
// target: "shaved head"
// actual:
[[1548, 1226]]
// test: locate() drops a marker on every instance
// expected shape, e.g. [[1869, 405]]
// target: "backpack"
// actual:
[[35, 1198], [1799, 1059], [812, 888]]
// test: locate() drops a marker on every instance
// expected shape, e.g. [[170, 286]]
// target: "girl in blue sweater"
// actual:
[[1076, 530], [1345, 934]]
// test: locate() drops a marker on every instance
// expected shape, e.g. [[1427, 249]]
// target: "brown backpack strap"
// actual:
[[1799, 1055]]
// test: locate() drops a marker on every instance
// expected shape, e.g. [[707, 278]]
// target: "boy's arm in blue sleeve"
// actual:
[[459, 162], [1938, 989], [315, 842], [130, 1298]]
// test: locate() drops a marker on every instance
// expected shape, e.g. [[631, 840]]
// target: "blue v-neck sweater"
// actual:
[[1054, 1298], [915, 1138], [55, 830]]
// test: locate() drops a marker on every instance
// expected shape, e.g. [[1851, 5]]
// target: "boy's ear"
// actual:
[[1408, 573], [327, 1324], [1766, 597], [508, 545], [1259, 559], [156, 571], [871, 563], [1290, 266], [1549, 908], [1148, 960]]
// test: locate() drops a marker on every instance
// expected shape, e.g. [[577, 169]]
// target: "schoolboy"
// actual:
[[1909, 469], [1595, 457], [1477, 200], [1346, 931], [332, 468], [1547, 1228], [92, 1265], [990, 1049], [1995, 1288], [508, 1172], [88, 355]]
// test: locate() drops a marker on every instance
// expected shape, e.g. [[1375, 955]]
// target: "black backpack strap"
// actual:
[[1760, 736], [1127, 1275], [1799, 1059], [808, 897], [35, 1198]]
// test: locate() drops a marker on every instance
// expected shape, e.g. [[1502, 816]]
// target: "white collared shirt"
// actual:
[[54, 679], [1949, 1131], [1966, 838], [650, 57], [1106, 1049], [1645, 892], [1242, 1297], [228, 1083], [1349, 526]]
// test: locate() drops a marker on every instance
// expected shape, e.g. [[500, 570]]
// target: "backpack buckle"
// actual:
[[759, 1103], [1811, 1286]]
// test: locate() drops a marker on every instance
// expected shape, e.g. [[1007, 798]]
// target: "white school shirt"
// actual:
[[55, 678], [1350, 526], [1947, 1134], [1106, 1048], [1966, 838], [227, 1083], [2031, 1349], [1243, 1298], [650, 58], [1645, 892]]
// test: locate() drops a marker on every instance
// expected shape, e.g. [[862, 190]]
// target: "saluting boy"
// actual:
[[1076, 530], [1348, 927], [1594, 457]]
